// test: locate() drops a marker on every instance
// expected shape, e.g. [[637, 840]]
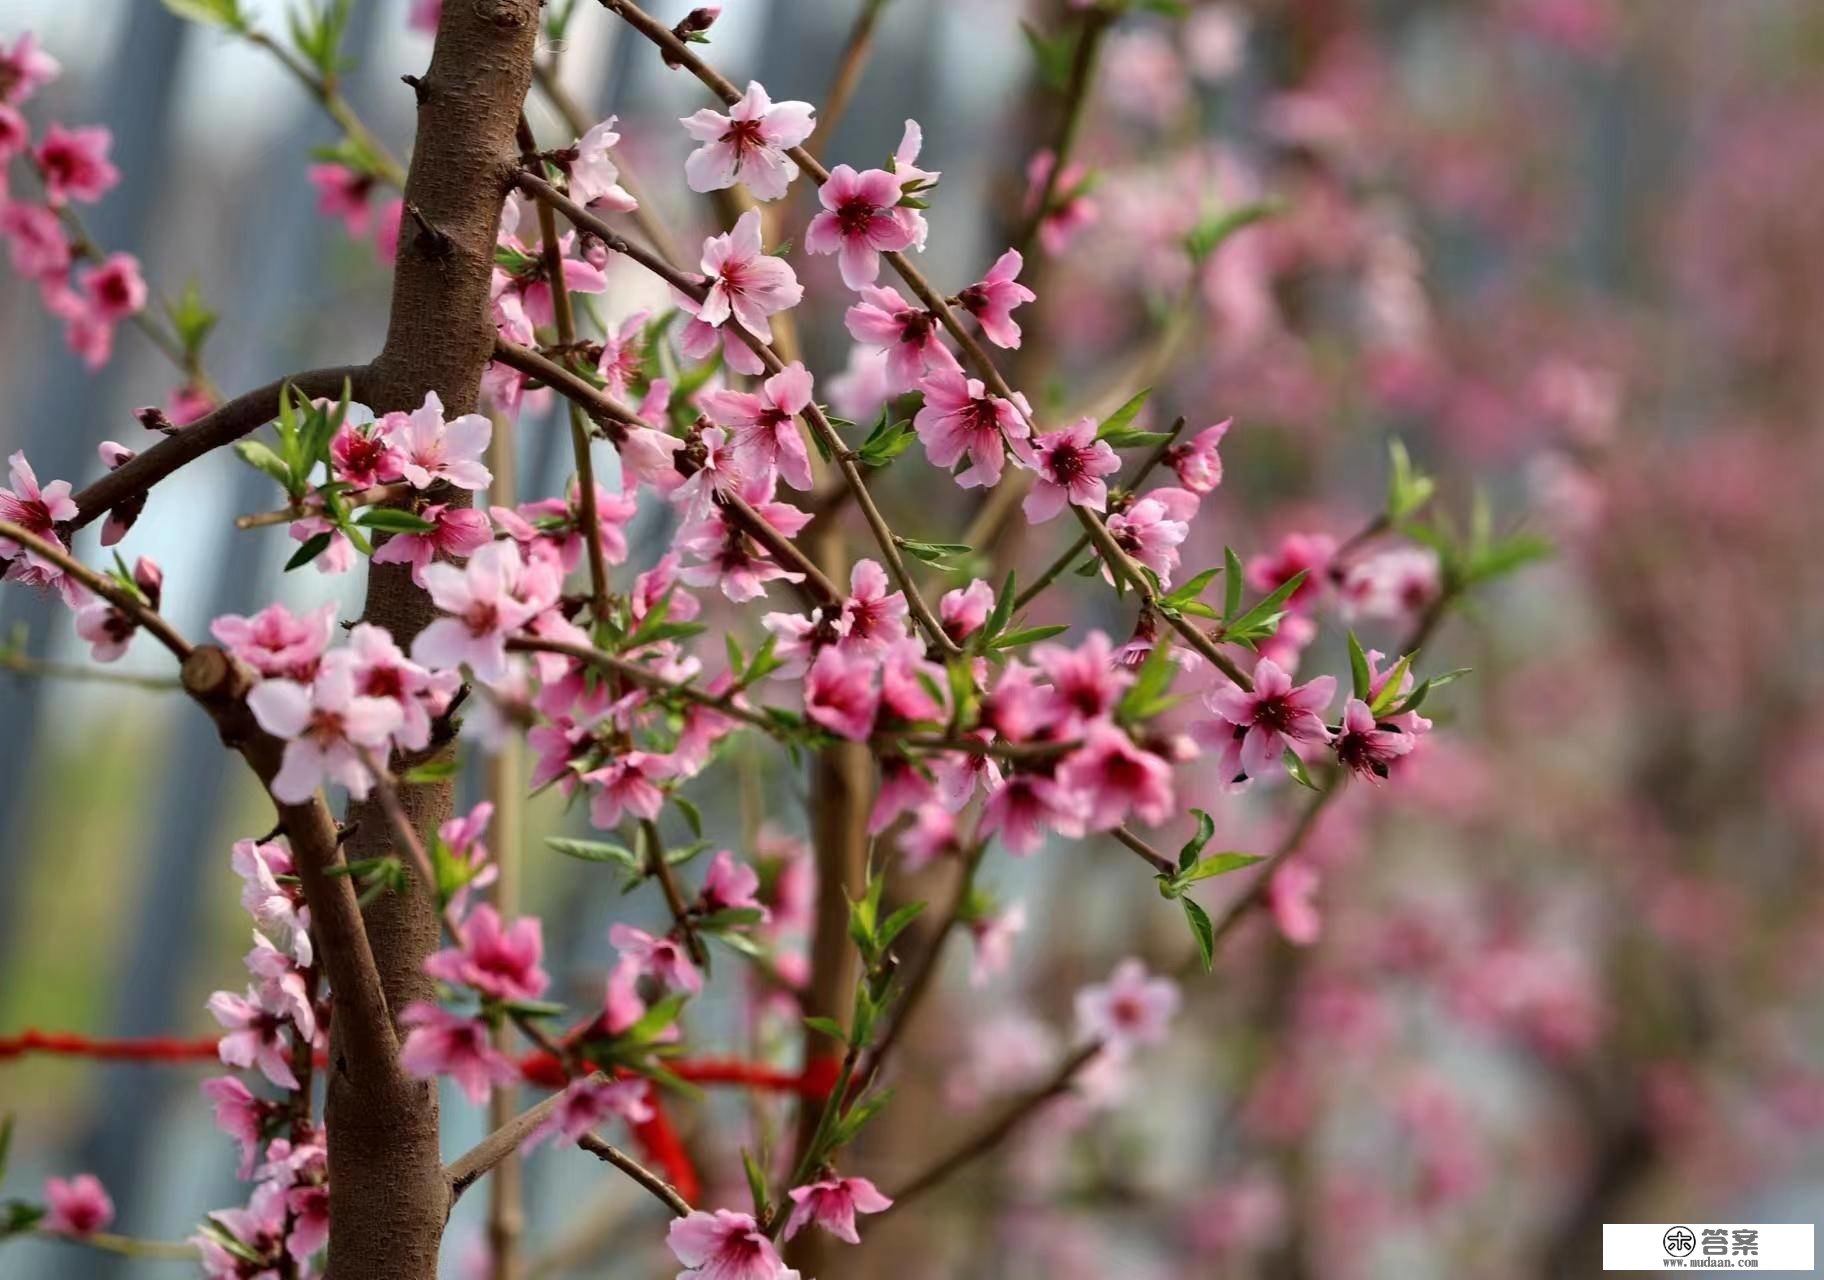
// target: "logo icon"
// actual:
[[1679, 1242]]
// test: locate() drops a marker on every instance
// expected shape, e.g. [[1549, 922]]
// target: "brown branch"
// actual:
[[660, 869], [991, 1136], [550, 197], [666, 1193], [472, 1165], [105, 587], [617, 417], [1151, 856], [224, 425]]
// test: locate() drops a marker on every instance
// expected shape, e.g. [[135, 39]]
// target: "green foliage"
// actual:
[[225, 14]]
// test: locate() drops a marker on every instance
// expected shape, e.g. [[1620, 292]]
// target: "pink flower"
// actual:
[[964, 610], [1198, 464], [1368, 748], [840, 693], [115, 288], [832, 1204], [77, 1207], [1129, 1010], [489, 598], [864, 386], [587, 1103], [186, 403], [431, 449], [744, 280], [15, 134], [1397, 583], [1027, 808], [627, 783], [275, 906], [873, 617], [456, 532], [747, 145], [25, 68], [75, 164], [259, 1229], [362, 452], [1069, 210], [594, 179], [959, 416], [662, 959], [623, 360], [1256, 728], [37, 511], [34, 234], [909, 335], [859, 222], [326, 726], [766, 437], [275, 643], [240, 1115], [106, 628], [993, 935], [725, 1245], [1114, 776], [502, 963], [1071, 464], [1149, 535], [255, 1025], [1086, 683], [730, 886], [1289, 898], [343, 193], [424, 16], [932, 835], [442, 1043], [1298, 552], [991, 300], [732, 560]]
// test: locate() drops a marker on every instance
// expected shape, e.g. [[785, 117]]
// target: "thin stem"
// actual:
[[129, 1246], [603, 407], [299, 511], [666, 1194], [108, 589], [991, 1136], [1124, 567], [499, 1144], [329, 95], [1158, 861], [1081, 545], [1070, 123], [579, 427], [661, 871], [854, 61], [814, 418], [25, 665]]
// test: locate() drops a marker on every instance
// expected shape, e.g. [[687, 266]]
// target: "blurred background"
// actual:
[[1570, 251]]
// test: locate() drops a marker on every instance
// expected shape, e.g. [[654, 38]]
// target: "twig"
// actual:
[[23, 664], [329, 95], [297, 511], [129, 1246], [108, 589], [407, 836], [1158, 861], [663, 1190], [674, 897], [981, 1143], [470, 1167], [1070, 123], [814, 418]]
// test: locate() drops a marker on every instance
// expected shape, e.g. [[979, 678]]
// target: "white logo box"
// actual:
[[1707, 1246]]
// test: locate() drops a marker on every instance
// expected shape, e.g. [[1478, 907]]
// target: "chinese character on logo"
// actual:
[[1747, 1241], [1716, 1242], [1679, 1241]]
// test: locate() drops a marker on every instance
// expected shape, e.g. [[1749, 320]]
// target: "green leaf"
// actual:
[[1133, 438], [225, 14], [1202, 930], [1407, 489], [939, 555], [1209, 235], [858, 1115], [886, 441], [756, 1182], [1031, 635], [896, 923], [1231, 582], [1121, 419], [1148, 696], [1358, 668], [315, 547], [1296, 767], [190, 318], [732, 918], [829, 1027], [693, 816], [1217, 864], [1263, 618], [1002, 613], [431, 771], [1193, 589], [1206, 827], [598, 851], [393, 520], [1390, 686], [261, 458], [1053, 54]]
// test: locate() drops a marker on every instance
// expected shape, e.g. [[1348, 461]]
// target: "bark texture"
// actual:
[[389, 1197]]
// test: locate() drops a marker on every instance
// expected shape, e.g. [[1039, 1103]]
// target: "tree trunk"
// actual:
[[388, 1195]]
